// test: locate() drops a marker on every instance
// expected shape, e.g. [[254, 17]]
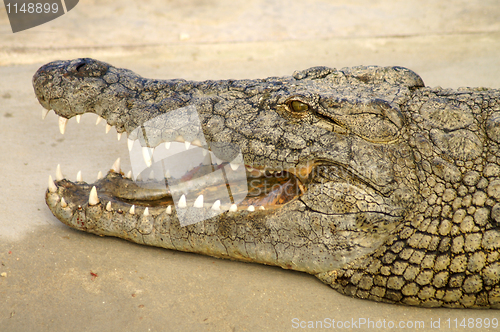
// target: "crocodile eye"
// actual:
[[298, 106]]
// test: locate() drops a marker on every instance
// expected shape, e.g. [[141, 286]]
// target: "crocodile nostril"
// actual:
[[80, 66]]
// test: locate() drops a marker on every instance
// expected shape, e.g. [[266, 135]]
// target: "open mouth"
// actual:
[[208, 182]]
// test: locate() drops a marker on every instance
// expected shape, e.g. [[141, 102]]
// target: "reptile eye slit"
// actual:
[[297, 108]]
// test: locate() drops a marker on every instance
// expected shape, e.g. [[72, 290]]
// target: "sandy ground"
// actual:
[[47, 282]]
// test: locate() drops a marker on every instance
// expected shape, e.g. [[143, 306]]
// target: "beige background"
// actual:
[[48, 285]]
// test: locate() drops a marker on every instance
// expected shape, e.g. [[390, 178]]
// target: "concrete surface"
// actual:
[[47, 282]]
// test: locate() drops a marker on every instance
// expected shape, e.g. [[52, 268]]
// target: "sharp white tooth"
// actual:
[[234, 166], [93, 199], [182, 202], [261, 208], [108, 128], [99, 119], [251, 208], [78, 118], [152, 175], [216, 160], [147, 154], [180, 138], [196, 142], [167, 174], [199, 202], [216, 206], [132, 210], [146, 212], [129, 175], [119, 136], [139, 177], [62, 124], [233, 208], [108, 206], [63, 203], [99, 175], [204, 152], [206, 161], [59, 175], [52, 185], [44, 113], [116, 166], [169, 209], [187, 144], [130, 144], [79, 176], [167, 145]]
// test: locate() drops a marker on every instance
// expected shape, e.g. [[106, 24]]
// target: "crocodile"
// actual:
[[381, 187]]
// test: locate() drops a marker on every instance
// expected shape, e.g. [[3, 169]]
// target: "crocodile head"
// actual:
[[340, 165], [321, 144]]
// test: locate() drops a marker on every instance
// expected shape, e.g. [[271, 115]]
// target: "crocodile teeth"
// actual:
[[182, 202], [139, 177], [62, 124], [78, 118], [216, 160], [93, 199], [44, 113], [99, 175], [119, 136], [167, 174], [130, 144], [216, 206], [251, 208], [59, 175], [196, 142], [108, 128], [129, 175], [132, 210], [147, 154], [234, 166], [52, 185], [167, 145], [233, 208], [99, 119], [262, 208], [63, 203], [187, 144], [169, 209], [151, 175], [146, 212], [108, 206], [116, 166], [79, 176], [199, 202]]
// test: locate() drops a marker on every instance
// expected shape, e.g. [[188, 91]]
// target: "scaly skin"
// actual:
[[399, 196]]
